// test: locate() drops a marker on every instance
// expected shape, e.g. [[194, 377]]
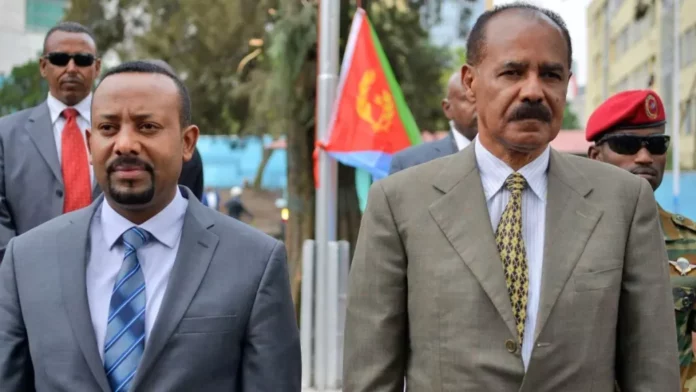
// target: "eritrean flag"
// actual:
[[370, 120]]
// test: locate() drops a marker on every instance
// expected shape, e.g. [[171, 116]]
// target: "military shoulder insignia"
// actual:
[[682, 265], [651, 106], [682, 221]]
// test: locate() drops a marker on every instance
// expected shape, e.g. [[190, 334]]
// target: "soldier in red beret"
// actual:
[[628, 131]]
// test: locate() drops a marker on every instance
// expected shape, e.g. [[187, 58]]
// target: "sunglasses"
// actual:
[[631, 144], [61, 59]]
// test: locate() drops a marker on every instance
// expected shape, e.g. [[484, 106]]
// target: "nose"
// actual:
[[532, 91], [127, 142], [644, 157], [71, 67]]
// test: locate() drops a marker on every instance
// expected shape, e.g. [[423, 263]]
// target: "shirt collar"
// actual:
[[56, 107], [494, 171], [460, 140], [165, 226]]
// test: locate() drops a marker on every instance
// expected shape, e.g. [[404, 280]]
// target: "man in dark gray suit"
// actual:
[[463, 130], [146, 289], [44, 164]]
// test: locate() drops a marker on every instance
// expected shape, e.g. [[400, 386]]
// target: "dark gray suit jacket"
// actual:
[[31, 182], [422, 153], [227, 321]]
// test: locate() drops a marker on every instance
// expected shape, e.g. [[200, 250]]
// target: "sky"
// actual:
[[574, 13]]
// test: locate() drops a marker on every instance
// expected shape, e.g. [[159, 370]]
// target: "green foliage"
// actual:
[[109, 27], [22, 89], [570, 119], [204, 44]]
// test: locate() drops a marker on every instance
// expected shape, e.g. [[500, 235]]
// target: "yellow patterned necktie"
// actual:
[[508, 237]]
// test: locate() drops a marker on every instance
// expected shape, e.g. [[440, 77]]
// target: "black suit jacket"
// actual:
[[192, 175]]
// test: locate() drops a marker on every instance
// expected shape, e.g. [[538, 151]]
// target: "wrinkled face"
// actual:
[[460, 110], [520, 85], [70, 66], [136, 142], [643, 163]]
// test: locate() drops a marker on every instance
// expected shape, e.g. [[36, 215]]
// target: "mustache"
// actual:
[[644, 170], [75, 78], [131, 162], [531, 111]]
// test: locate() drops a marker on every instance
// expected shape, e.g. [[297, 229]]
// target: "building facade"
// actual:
[[450, 21], [631, 46], [23, 24]]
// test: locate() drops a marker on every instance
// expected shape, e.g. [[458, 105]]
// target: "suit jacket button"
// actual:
[[59, 192], [511, 346]]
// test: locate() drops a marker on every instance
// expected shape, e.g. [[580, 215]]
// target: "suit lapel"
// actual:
[[570, 220], [195, 253], [40, 129], [73, 264], [462, 215], [96, 191]]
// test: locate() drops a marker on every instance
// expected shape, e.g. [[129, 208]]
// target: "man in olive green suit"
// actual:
[[510, 266]]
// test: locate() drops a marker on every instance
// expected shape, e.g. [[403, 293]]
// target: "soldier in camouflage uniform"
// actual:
[[628, 131]]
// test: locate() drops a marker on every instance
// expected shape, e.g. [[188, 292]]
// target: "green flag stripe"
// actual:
[[404, 112]]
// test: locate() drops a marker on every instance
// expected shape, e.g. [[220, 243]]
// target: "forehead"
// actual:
[[136, 92], [524, 36], [62, 41]]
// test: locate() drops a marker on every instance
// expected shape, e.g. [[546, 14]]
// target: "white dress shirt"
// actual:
[[494, 172], [55, 108], [156, 260], [461, 140]]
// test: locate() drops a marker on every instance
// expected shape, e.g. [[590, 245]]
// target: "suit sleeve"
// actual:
[[7, 229], [272, 360], [647, 357], [16, 370], [376, 329], [396, 165]]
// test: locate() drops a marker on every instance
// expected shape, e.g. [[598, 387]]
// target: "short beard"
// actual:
[[132, 198]]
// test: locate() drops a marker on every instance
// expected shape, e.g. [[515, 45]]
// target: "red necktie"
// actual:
[[75, 165]]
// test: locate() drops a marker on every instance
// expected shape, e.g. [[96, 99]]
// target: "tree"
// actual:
[[22, 89], [570, 120], [250, 66], [288, 102], [205, 45]]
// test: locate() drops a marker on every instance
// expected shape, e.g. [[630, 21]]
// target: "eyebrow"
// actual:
[[544, 67], [552, 67], [110, 117], [116, 117]]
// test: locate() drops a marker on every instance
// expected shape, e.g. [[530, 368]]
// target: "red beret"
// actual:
[[632, 109]]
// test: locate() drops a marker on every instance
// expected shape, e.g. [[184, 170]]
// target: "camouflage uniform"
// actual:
[[680, 239]]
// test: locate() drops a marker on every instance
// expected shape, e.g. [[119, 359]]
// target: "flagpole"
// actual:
[[326, 195]]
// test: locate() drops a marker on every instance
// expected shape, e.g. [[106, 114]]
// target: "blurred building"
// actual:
[[23, 24], [450, 21], [630, 46]]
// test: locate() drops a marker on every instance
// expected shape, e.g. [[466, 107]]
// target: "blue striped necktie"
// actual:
[[125, 330]]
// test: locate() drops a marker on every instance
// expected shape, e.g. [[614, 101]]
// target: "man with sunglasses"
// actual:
[[628, 131], [44, 164]]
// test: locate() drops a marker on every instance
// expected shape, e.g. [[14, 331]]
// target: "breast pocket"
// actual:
[[207, 325], [597, 280]]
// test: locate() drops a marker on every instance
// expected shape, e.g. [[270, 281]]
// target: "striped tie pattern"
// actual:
[[125, 331]]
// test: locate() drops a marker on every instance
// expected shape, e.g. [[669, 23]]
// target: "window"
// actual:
[[687, 53], [621, 42], [614, 6], [690, 116], [44, 14]]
